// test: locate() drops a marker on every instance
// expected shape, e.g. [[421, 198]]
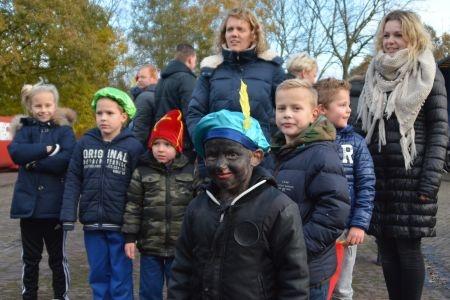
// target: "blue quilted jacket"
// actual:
[[98, 178], [220, 80], [358, 168]]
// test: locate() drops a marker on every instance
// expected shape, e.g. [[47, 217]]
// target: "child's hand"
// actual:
[[423, 198], [130, 250], [355, 236]]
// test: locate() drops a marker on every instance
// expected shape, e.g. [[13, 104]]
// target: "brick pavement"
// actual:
[[368, 279]]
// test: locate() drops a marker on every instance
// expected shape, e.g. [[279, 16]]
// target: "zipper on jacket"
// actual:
[[102, 172], [168, 208]]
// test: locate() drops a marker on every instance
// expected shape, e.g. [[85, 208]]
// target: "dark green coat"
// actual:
[[157, 199]]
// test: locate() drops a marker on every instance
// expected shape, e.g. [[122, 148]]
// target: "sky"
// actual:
[[432, 12], [435, 13]]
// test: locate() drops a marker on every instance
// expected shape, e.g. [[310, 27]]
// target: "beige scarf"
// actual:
[[409, 84]]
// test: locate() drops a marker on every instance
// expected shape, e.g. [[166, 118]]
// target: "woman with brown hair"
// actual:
[[243, 61], [403, 109]]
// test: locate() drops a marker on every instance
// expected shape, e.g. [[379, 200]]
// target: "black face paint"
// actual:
[[229, 165]]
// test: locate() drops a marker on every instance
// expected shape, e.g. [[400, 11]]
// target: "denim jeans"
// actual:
[[343, 289], [154, 269], [319, 291], [403, 267]]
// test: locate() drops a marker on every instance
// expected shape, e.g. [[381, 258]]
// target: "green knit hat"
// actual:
[[118, 96]]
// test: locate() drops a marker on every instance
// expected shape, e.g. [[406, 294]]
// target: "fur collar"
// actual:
[[214, 61], [63, 116]]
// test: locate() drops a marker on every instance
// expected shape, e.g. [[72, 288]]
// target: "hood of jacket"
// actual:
[[63, 117], [320, 130], [175, 66], [241, 57]]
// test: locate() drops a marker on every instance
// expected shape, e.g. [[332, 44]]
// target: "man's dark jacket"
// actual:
[[252, 249], [174, 91], [145, 114]]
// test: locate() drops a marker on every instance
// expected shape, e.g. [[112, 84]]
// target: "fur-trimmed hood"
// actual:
[[63, 117], [215, 60]]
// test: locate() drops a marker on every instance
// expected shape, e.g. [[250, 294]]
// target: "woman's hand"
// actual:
[[355, 236], [130, 250]]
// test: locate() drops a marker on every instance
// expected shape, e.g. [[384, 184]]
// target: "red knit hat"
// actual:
[[170, 128]]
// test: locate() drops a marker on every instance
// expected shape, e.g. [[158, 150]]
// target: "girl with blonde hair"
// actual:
[[42, 145], [403, 109]]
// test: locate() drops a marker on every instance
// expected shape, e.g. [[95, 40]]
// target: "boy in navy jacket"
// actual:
[[42, 145], [98, 177], [309, 171], [334, 103]]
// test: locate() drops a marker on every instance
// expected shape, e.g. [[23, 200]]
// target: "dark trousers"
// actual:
[[34, 233], [403, 267], [154, 271]]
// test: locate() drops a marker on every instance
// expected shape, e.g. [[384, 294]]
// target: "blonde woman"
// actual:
[[403, 108], [302, 66], [243, 56]]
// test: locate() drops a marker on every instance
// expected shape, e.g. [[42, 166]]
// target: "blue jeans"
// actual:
[[111, 272], [153, 271], [319, 291]]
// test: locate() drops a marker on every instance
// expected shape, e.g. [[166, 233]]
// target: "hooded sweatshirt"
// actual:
[[98, 177]]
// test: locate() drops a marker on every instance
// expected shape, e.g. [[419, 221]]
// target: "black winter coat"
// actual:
[[174, 91], [145, 114], [252, 249], [398, 212]]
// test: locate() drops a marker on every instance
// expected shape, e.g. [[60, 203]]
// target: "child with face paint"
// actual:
[[160, 190], [308, 170], [242, 238]]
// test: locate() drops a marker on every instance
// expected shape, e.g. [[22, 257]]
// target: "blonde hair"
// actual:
[[298, 83], [299, 62], [255, 26], [327, 89], [29, 91], [413, 31]]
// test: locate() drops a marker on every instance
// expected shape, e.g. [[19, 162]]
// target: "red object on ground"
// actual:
[[5, 139], [340, 258]]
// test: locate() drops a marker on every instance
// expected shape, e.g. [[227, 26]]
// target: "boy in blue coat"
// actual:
[[42, 144], [98, 177], [334, 103], [309, 171]]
